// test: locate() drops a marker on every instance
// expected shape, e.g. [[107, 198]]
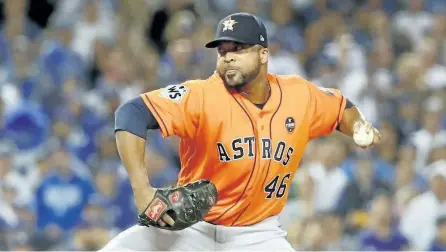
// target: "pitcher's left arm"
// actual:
[[353, 122], [330, 110]]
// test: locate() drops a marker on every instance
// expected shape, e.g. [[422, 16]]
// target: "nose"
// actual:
[[228, 58]]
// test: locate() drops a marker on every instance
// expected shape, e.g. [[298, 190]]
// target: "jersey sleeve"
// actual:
[[176, 109], [326, 110]]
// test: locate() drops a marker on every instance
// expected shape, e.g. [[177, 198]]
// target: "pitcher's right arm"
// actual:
[[132, 120], [173, 110]]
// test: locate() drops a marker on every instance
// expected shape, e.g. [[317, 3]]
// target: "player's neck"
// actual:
[[257, 91]]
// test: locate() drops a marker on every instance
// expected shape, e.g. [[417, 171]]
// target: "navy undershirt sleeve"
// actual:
[[348, 105], [133, 116]]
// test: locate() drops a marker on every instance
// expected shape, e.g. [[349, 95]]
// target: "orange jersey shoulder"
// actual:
[[178, 108], [325, 106]]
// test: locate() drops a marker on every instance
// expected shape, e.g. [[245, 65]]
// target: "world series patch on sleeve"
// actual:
[[187, 205]]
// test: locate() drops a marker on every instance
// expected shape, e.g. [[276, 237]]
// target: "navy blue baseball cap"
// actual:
[[242, 28]]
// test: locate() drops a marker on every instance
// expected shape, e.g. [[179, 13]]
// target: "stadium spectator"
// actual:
[[431, 129], [418, 221], [406, 176], [335, 239], [329, 179], [358, 194], [439, 244], [312, 236], [95, 23], [62, 195], [381, 234], [414, 22]]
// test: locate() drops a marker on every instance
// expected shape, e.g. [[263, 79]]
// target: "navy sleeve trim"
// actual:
[[133, 116], [348, 105]]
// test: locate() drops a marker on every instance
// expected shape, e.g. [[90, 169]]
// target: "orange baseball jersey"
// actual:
[[250, 154]]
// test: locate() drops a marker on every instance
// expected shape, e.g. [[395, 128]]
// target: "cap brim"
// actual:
[[216, 42]]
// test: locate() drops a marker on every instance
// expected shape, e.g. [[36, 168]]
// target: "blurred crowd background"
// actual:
[[66, 65]]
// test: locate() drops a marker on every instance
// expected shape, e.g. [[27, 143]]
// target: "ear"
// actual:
[[264, 54]]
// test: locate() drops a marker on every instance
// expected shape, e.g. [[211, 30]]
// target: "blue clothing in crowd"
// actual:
[[395, 242], [26, 126], [437, 246], [61, 199]]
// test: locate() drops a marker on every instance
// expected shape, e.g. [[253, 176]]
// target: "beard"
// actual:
[[236, 79]]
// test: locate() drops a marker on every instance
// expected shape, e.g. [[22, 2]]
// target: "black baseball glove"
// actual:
[[187, 205]]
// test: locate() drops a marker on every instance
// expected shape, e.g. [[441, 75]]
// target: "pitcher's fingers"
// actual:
[[356, 127], [378, 137], [368, 127], [167, 219]]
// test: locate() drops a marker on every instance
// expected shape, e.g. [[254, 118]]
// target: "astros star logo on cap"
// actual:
[[228, 24]]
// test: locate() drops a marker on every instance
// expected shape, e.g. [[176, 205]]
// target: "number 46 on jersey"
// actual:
[[277, 187]]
